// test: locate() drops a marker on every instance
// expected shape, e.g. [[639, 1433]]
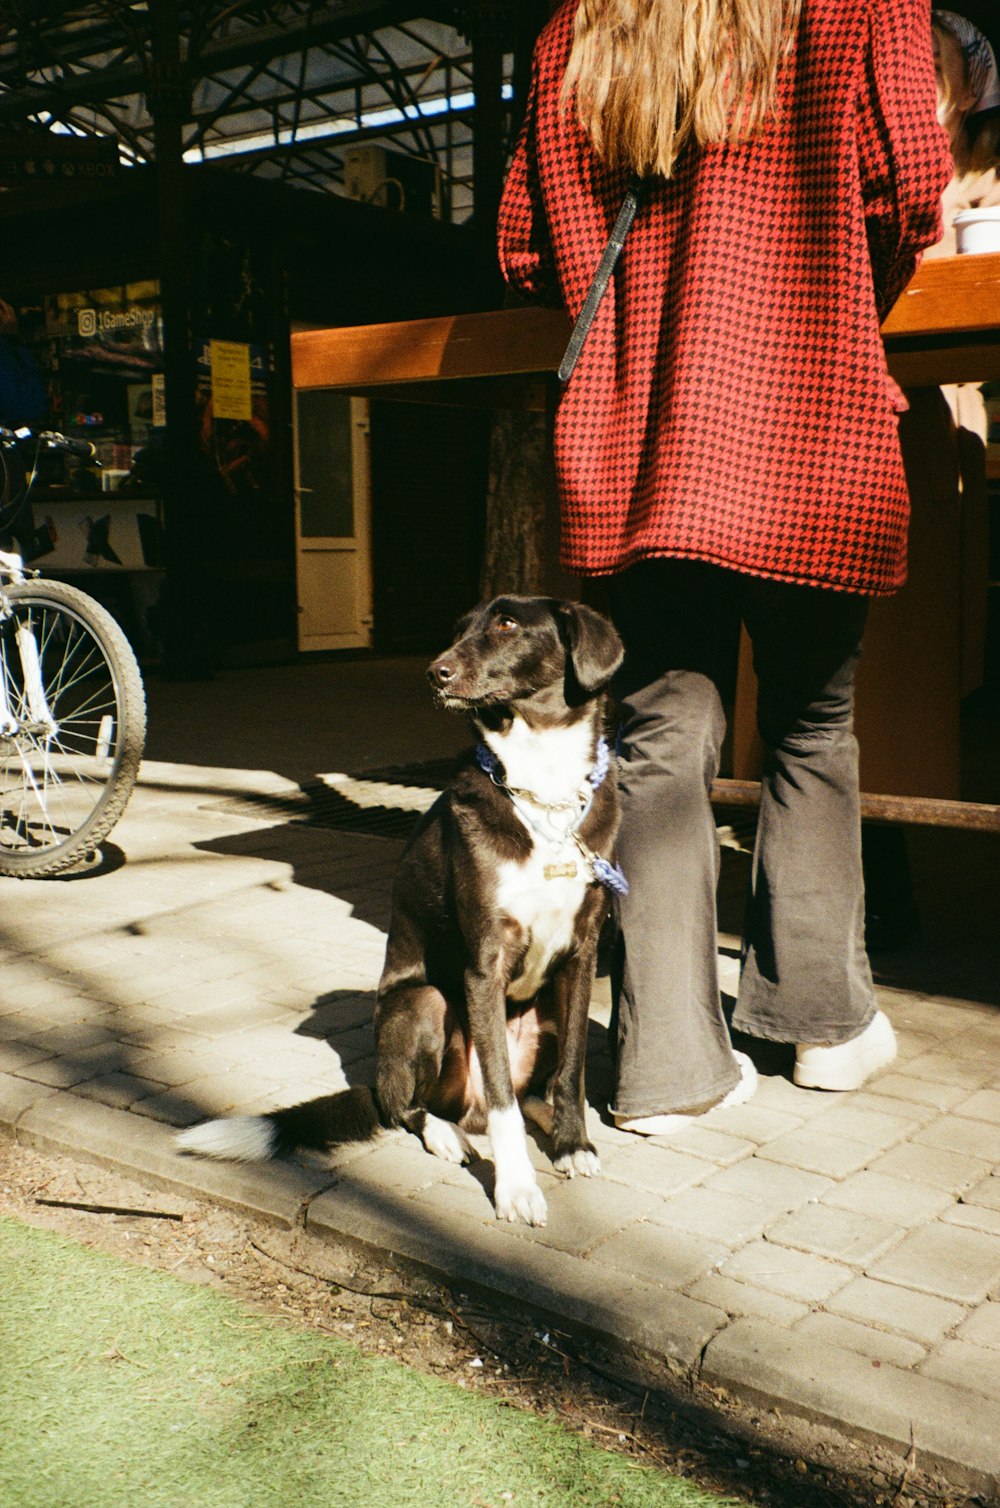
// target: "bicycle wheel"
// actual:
[[72, 727]]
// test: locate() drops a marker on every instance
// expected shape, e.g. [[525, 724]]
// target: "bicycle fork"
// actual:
[[43, 724]]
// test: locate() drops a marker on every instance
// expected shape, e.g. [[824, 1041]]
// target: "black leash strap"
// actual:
[[637, 190]]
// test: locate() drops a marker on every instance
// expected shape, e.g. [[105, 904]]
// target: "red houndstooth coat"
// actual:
[[731, 403]]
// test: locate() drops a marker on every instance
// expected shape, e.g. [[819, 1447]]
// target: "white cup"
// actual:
[[978, 230]]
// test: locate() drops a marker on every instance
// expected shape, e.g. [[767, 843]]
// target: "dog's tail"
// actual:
[[351, 1115]]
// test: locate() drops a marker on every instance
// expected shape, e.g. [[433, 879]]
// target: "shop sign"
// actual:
[[45, 157]]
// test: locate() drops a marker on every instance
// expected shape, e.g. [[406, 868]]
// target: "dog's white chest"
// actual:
[[553, 763], [546, 776], [545, 906]]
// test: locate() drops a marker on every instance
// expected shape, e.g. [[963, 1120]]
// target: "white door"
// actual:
[[333, 521]]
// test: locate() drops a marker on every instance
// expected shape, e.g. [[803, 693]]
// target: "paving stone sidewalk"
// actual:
[[836, 1258]]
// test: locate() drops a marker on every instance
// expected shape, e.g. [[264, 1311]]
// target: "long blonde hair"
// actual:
[[649, 75]]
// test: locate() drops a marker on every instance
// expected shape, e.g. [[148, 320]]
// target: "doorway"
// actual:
[[333, 520]]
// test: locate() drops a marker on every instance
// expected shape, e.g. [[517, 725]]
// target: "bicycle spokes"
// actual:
[[63, 716]]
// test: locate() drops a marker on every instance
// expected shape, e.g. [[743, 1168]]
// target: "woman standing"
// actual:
[[727, 449]]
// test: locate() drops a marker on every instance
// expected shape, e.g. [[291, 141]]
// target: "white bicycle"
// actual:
[[72, 704]]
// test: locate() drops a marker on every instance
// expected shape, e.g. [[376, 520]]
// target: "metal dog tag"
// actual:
[[565, 871]]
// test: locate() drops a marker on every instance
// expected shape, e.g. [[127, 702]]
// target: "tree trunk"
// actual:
[[521, 550]]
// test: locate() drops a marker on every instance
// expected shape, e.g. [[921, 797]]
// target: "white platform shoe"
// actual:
[[846, 1065], [670, 1124]]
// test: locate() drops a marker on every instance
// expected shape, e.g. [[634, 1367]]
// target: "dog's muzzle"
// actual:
[[453, 686], [442, 672]]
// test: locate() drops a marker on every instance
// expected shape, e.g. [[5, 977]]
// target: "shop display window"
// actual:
[[100, 351]]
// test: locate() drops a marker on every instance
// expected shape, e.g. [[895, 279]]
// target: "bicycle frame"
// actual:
[[11, 566]]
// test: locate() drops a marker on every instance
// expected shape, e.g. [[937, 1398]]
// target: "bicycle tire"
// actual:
[[64, 784]]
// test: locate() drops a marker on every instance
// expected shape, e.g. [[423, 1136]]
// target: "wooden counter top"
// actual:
[[944, 328], [466, 357]]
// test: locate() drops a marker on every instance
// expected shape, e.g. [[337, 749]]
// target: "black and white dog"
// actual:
[[496, 911]]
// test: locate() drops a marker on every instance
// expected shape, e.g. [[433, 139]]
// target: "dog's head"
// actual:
[[516, 650]]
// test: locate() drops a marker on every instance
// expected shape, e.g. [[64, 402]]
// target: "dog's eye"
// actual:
[[507, 625]]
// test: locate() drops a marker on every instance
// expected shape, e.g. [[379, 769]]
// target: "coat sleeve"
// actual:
[[904, 156], [524, 244]]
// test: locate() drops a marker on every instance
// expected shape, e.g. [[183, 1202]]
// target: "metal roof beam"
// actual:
[[339, 141], [351, 18]]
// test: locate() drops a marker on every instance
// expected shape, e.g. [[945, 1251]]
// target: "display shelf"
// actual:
[[105, 532]]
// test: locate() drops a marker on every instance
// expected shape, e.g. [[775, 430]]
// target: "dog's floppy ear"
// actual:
[[595, 650]]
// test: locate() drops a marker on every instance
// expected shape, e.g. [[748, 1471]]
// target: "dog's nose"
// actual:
[[441, 672]]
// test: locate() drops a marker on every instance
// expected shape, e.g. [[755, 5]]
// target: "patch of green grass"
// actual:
[[120, 1385]]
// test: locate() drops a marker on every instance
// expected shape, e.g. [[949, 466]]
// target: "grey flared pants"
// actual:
[[805, 976]]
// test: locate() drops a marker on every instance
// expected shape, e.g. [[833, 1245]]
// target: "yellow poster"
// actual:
[[159, 400], [230, 366]]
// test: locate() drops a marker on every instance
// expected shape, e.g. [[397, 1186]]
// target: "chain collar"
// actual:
[[603, 871]]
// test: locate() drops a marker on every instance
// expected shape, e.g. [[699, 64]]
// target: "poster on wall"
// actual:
[[233, 412], [229, 366]]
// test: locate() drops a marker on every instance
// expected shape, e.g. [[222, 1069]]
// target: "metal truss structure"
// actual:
[[282, 90]]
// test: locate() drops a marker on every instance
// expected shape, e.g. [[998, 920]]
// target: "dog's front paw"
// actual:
[[444, 1139], [520, 1201], [583, 1160]]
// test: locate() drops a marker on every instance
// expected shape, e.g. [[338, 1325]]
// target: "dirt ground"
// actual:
[[460, 1337]]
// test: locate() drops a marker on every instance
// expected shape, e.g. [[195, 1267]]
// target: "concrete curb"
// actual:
[[142, 1148], [949, 1429], [497, 1261]]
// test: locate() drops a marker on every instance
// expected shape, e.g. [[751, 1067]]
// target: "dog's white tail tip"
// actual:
[[237, 1138]]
